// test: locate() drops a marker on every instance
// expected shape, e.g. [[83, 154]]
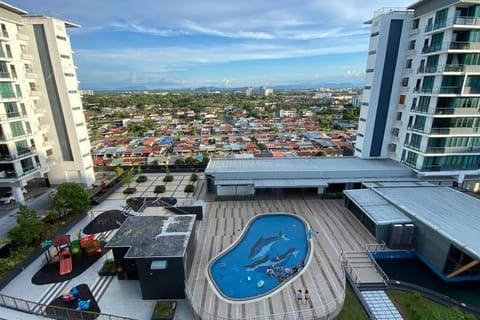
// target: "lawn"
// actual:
[[352, 309], [415, 307]]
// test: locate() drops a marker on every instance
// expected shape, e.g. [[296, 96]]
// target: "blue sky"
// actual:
[[193, 43]]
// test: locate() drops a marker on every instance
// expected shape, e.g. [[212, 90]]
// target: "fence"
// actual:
[[53, 311]]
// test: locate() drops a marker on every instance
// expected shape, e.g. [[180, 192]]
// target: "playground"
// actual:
[[79, 298]]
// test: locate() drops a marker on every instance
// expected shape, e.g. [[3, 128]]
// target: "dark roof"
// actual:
[[154, 236]]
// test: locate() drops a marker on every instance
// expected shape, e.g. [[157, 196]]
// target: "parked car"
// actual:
[[7, 198]]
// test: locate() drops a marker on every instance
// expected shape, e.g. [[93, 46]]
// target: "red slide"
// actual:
[[65, 262]]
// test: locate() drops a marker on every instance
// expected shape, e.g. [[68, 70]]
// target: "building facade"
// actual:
[[43, 132], [421, 100]]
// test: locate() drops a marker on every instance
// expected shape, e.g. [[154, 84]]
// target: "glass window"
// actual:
[[18, 90], [6, 90], [11, 109], [17, 128]]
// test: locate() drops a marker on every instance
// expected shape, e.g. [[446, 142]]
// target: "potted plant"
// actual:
[[141, 178], [189, 188], [159, 189], [168, 177], [164, 310], [108, 268]]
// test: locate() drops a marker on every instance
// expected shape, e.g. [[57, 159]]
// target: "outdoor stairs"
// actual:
[[364, 271]]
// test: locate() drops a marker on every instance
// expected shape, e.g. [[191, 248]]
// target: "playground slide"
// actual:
[[65, 265]]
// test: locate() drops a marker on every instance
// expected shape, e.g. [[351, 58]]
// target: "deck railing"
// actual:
[[53, 311]]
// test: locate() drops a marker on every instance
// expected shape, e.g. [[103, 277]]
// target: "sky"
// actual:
[[168, 44]]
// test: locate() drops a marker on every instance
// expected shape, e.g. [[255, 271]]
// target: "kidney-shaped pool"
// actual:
[[272, 250]]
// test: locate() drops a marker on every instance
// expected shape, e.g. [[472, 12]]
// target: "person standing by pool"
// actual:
[[307, 296], [299, 296]]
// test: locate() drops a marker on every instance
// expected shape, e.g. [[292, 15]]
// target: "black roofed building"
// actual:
[[158, 251]]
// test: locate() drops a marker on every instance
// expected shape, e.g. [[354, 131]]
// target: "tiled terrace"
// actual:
[[324, 277]]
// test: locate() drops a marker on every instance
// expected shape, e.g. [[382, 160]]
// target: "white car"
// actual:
[[7, 198]]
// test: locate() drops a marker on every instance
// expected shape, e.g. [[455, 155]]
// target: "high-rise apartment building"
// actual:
[[421, 99], [249, 92], [42, 126]]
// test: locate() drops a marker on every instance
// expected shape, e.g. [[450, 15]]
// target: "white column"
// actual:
[[18, 194]]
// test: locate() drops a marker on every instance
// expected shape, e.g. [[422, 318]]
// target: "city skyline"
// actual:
[[186, 44]]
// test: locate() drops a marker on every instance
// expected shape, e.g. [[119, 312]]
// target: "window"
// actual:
[[76, 108], [364, 103], [22, 147], [65, 56], [72, 91], [411, 45], [392, 147], [399, 116], [49, 152], [82, 140], [369, 70], [375, 34], [61, 38], [17, 129], [402, 99], [367, 87], [415, 24], [18, 90], [79, 124], [404, 82], [360, 134], [8, 51], [4, 30], [11, 109], [412, 158], [13, 71], [395, 132], [4, 70], [372, 52], [69, 74], [6, 90], [408, 64], [27, 126]]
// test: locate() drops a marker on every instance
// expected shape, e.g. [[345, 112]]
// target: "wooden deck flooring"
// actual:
[[325, 279]]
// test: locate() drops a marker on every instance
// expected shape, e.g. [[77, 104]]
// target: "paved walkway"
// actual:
[[337, 230], [381, 305]]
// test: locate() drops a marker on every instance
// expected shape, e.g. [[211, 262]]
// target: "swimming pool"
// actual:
[[277, 241]]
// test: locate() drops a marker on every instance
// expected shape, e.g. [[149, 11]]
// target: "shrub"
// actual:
[[194, 177], [168, 178], [29, 226], [129, 191], [159, 189], [142, 178], [189, 188]]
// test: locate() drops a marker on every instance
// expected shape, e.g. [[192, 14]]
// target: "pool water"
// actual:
[[270, 241]]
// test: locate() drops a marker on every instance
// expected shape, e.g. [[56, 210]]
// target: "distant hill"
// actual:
[[293, 86]]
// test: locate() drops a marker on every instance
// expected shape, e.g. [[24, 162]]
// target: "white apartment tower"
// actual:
[[249, 92], [42, 125], [421, 99]]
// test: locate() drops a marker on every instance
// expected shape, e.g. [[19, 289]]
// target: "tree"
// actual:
[[29, 226], [71, 197]]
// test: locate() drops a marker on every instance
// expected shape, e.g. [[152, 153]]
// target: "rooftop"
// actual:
[[333, 169], [377, 208], [160, 236], [448, 211]]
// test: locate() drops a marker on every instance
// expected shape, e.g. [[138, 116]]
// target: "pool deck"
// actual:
[[324, 277], [223, 222]]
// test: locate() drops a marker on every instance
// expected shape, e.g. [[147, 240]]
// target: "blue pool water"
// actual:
[[278, 240]]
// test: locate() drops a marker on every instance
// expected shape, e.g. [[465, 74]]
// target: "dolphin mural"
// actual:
[[263, 245], [266, 262]]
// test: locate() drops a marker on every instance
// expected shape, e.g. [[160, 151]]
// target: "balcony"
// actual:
[[12, 116], [464, 45], [21, 154], [440, 90], [471, 90], [439, 150], [455, 21], [456, 111], [416, 129], [454, 131], [5, 75], [10, 137]]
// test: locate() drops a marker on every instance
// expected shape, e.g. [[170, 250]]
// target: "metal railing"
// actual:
[[326, 311], [51, 311]]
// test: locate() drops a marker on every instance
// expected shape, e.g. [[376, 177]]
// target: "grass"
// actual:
[[163, 309], [415, 307], [352, 309]]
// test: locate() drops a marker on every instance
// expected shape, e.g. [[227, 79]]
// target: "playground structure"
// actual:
[[72, 295], [65, 259], [90, 245], [65, 248]]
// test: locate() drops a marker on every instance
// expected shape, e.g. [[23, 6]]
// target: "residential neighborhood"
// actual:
[[289, 124]]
